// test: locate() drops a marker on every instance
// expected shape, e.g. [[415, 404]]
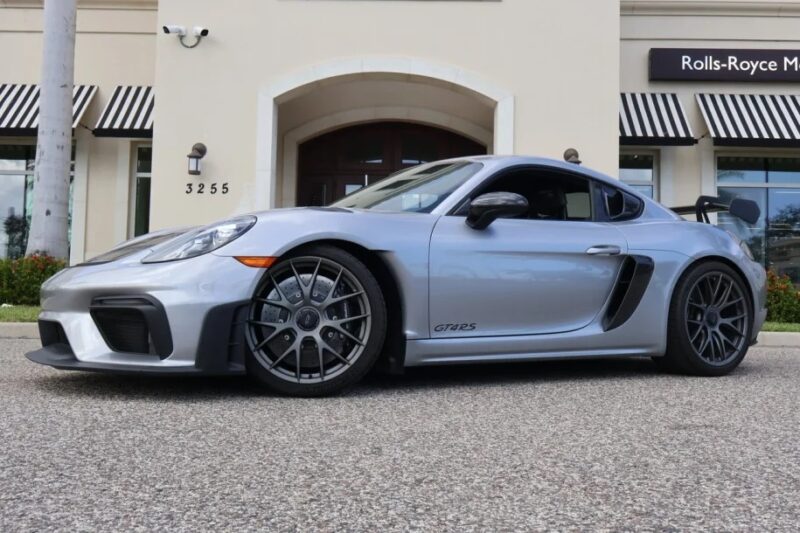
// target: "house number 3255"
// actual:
[[203, 188]]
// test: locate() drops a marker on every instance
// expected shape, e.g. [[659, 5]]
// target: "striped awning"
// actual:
[[767, 120], [655, 119], [19, 107], [129, 113]]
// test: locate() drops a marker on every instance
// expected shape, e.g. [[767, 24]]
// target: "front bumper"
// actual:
[[197, 326], [60, 356]]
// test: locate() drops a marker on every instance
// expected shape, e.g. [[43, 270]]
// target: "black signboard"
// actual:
[[720, 64]]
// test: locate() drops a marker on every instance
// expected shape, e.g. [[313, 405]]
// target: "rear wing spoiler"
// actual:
[[742, 208]]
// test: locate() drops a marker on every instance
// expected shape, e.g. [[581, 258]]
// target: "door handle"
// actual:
[[604, 249]]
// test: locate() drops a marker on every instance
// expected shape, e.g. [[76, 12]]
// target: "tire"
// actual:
[[710, 322], [317, 323]]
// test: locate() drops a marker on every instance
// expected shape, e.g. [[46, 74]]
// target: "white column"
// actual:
[[666, 175], [504, 127], [708, 174], [80, 189], [266, 159], [122, 189]]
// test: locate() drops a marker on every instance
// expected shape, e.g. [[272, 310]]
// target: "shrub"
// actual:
[[21, 279], [783, 299]]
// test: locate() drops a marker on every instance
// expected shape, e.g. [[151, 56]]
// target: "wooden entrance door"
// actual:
[[341, 162]]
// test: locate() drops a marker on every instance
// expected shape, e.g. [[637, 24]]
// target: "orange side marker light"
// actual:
[[256, 261]]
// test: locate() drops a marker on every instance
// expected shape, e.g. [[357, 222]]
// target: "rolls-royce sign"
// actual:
[[721, 64]]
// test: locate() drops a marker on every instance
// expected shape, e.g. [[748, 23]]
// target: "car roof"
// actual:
[[501, 161]]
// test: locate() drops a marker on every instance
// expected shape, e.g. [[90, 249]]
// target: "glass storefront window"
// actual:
[[753, 235], [775, 186], [17, 162], [638, 171], [141, 208], [16, 187], [783, 170], [741, 170]]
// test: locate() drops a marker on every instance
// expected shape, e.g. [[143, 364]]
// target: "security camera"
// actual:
[[180, 31], [200, 31]]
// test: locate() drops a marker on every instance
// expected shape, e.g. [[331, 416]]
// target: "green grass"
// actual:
[[19, 313], [781, 326]]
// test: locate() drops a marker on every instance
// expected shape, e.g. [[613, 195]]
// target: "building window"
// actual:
[[774, 184], [141, 193], [16, 197], [639, 171]]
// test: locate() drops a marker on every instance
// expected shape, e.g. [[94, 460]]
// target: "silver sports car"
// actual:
[[478, 259]]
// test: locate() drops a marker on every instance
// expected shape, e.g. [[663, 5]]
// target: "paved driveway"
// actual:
[[586, 445]]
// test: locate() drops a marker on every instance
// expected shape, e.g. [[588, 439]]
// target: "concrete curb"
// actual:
[[19, 330], [29, 330], [775, 339]]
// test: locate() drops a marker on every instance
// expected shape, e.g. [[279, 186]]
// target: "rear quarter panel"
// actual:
[[676, 245]]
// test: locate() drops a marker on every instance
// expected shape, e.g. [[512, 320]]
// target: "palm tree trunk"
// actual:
[[49, 221]]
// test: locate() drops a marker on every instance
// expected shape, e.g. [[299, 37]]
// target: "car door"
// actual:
[[520, 276]]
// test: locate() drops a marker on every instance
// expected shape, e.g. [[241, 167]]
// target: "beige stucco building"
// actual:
[[301, 101]]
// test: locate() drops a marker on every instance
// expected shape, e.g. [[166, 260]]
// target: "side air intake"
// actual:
[[633, 279]]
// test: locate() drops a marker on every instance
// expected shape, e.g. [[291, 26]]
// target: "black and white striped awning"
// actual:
[[768, 120], [129, 113], [655, 119], [19, 107]]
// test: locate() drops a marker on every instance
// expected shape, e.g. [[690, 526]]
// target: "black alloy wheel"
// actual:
[[710, 321], [717, 318], [316, 324]]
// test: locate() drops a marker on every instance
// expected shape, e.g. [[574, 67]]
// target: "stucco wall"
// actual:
[[688, 172], [113, 46], [558, 58]]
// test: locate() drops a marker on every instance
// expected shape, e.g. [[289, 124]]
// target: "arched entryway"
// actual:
[[341, 162]]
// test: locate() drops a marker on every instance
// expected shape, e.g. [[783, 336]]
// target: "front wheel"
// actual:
[[317, 323], [710, 322]]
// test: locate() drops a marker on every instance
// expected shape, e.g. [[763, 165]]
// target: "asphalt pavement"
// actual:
[[589, 445]]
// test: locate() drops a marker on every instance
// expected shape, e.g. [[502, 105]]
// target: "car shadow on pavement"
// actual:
[[523, 372], [195, 388]]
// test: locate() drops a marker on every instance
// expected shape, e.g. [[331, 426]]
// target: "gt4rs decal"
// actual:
[[456, 327]]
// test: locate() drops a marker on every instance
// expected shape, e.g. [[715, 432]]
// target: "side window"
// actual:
[[620, 205], [550, 195]]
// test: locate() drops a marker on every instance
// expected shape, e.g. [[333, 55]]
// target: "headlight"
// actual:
[[202, 241]]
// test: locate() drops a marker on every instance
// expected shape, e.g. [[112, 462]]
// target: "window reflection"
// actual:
[[775, 238], [741, 170], [17, 163], [638, 171], [783, 235], [753, 235]]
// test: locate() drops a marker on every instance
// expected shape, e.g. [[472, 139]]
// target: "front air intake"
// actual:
[[133, 324]]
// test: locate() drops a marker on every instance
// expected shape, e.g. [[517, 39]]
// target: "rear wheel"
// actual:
[[710, 322], [317, 323]]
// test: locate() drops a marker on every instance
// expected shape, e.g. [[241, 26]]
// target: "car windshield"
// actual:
[[415, 190]]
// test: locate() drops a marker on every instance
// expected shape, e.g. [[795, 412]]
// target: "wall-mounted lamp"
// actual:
[[197, 153], [571, 156], [198, 31]]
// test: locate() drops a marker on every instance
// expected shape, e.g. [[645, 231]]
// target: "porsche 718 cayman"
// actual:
[[477, 259]]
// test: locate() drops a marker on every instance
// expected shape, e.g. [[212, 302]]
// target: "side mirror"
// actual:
[[484, 209], [745, 209]]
